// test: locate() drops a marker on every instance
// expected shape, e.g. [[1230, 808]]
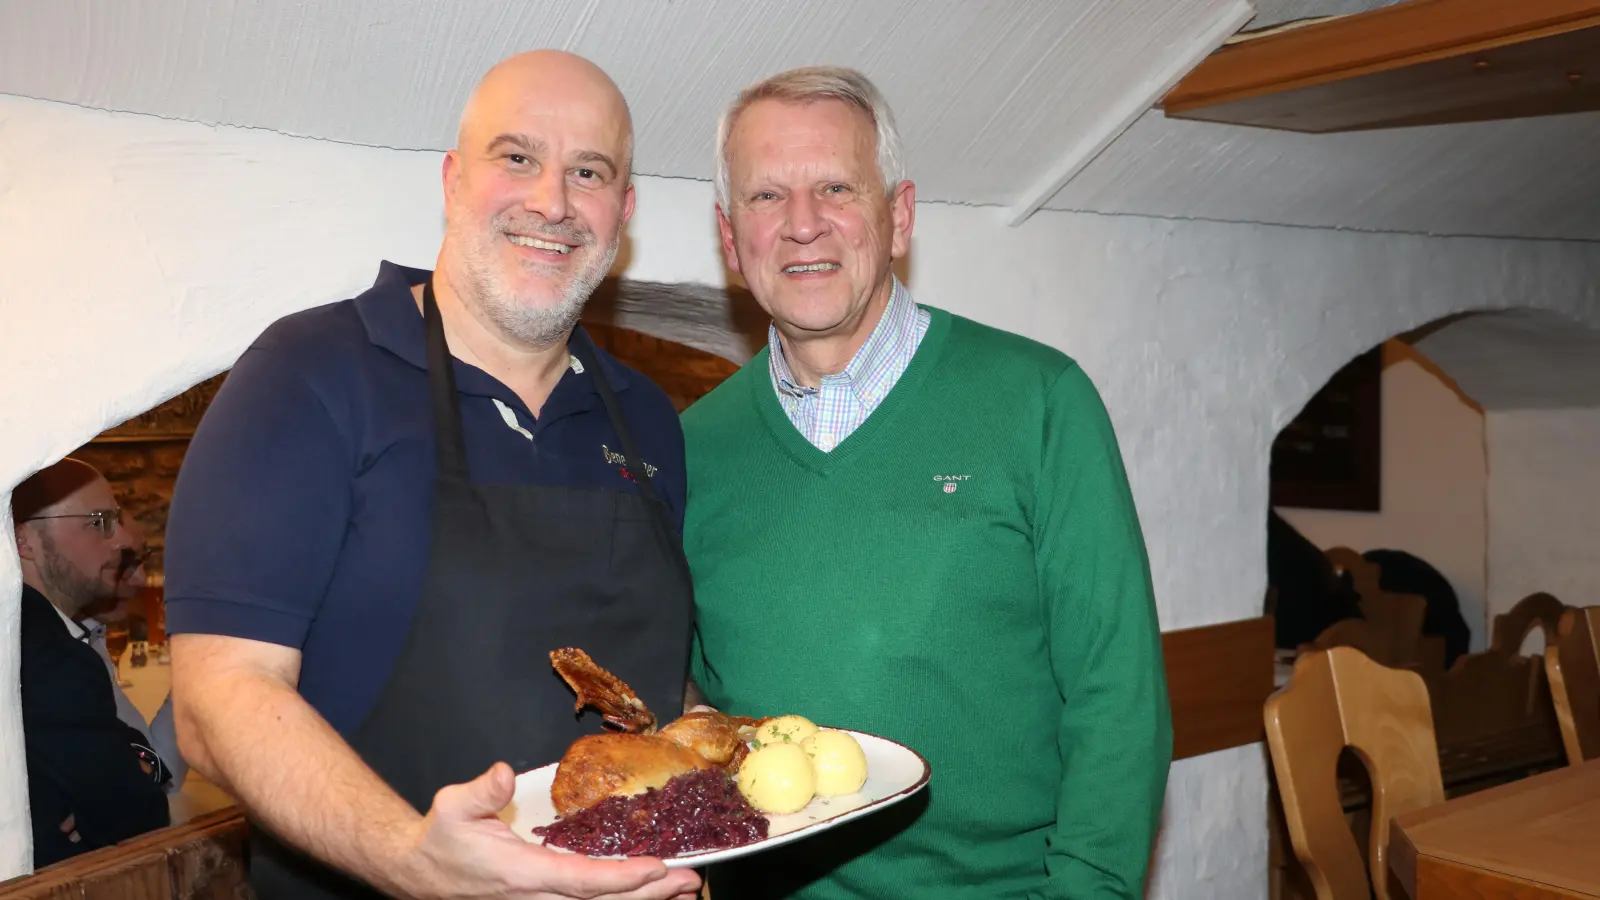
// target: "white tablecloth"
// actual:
[[149, 687]]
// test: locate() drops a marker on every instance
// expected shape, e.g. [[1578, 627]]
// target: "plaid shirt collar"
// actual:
[[872, 371]]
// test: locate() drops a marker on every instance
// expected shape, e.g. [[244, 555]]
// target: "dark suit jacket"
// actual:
[[82, 760]]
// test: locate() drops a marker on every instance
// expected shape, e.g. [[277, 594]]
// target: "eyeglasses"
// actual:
[[103, 521]]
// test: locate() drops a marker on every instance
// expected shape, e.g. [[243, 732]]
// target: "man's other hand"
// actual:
[[464, 850]]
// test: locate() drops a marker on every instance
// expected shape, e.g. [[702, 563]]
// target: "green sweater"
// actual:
[[1003, 627]]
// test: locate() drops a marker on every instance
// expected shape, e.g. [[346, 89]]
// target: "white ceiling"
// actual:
[[1519, 360], [1516, 178], [987, 93], [1277, 12], [998, 101]]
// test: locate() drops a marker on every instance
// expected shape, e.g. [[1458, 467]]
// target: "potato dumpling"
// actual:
[[778, 778], [791, 729], [839, 763]]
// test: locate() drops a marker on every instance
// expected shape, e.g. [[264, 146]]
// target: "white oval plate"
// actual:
[[894, 772]]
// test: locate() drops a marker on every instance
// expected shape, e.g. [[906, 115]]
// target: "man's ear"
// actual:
[[903, 212], [25, 542], [725, 229], [628, 200], [450, 174]]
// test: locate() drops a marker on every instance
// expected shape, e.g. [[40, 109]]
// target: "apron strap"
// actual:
[[449, 443], [581, 348], [668, 532]]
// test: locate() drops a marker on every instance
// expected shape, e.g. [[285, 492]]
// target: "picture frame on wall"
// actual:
[[1331, 455]]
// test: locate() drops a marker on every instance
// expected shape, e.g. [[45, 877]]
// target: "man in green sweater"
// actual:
[[909, 524]]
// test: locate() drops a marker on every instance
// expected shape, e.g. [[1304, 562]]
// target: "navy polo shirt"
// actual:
[[302, 510]]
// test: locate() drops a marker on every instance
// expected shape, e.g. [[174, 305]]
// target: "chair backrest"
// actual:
[[1573, 667], [1511, 627], [1338, 698], [1357, 633], [1390, 631], [1485, 693], [1363, 574], [1398, 618]]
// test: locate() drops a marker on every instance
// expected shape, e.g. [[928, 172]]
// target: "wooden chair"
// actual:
[[1483, 694], [1390, 631], [1397, 619], [1358, 634], [1340, 698], [1512, 627], [1574, 672]]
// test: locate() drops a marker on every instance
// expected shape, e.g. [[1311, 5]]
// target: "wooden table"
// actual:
[[1532, 839]]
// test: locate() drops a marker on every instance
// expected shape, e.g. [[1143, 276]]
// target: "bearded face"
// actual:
[[529, 276]]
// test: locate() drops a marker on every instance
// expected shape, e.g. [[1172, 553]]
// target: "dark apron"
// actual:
[[515, 571]]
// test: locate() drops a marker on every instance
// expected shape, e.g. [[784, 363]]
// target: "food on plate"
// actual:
[[778, 778], [620, 764], [598, 766], [699, 810], [793, 729], [838, 761], [716, 737], [702, 782], [616, 702]]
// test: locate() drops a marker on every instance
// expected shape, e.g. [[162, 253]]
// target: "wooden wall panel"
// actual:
[[201, 860], [1218, 677]]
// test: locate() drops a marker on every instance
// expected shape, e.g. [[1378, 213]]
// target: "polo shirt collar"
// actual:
[[389, 313]]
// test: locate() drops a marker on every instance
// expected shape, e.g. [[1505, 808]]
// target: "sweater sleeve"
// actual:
[[1115, 733]]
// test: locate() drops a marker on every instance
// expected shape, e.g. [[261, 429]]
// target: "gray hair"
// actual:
[[808, 85]]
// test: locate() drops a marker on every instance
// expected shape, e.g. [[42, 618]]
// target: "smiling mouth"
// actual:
[[538, 244], [808, 268]]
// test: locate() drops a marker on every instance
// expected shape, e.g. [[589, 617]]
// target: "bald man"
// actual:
[[93, 779], [398, 504]]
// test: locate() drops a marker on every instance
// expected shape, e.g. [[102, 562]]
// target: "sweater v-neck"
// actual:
[[788, 438]]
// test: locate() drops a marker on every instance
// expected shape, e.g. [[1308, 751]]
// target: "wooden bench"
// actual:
[[203, 859]]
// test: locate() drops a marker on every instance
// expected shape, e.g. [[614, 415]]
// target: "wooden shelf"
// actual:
[[1423, 62]]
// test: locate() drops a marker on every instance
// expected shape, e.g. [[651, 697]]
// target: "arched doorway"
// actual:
[[1466, 443]]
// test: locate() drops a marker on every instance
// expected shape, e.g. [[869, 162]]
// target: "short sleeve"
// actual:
[[262, 502]]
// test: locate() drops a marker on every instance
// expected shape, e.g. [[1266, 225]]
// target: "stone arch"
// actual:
[[1387, 323]]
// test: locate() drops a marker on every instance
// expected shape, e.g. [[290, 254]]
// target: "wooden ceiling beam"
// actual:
[[1419, 62]]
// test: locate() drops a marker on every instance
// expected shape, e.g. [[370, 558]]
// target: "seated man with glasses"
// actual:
[[160, 733], [92, 779]]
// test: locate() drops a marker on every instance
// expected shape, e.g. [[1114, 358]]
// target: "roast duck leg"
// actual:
[[637, 756]]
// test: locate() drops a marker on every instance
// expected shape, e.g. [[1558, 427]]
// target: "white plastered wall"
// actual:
[[1434, 479], [1544, 517], [141, 255]]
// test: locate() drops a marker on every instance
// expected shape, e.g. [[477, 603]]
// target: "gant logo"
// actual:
[[621, 462], [951, 482]]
